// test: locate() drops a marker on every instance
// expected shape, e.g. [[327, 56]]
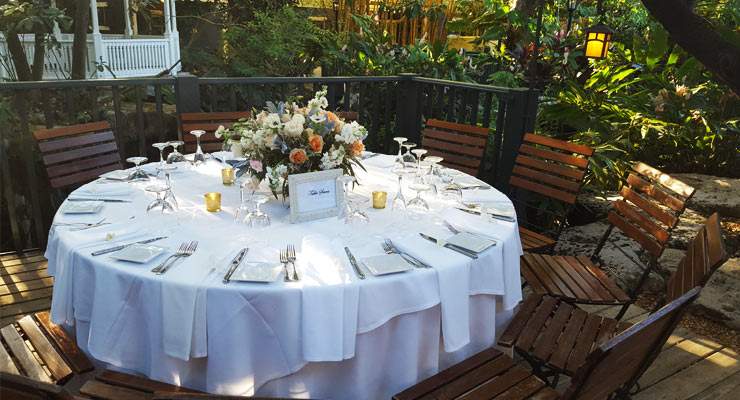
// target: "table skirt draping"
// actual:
[[388, 359]]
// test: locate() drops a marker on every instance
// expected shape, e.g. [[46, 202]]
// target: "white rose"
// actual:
[[293, 128], [219, 131], [272, 121], [300, 118], [285, 118]]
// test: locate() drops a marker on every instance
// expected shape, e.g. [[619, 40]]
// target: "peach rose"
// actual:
[[357, 148], [331, 117], [316, 143], [298, 156]]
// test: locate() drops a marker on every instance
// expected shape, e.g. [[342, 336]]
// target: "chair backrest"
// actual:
[[56, 357], [462, 146], [617, 364], [209, 122], [14, 386], [651, 206], [551, 168], [77, 154], [705, 254], [348, 116]]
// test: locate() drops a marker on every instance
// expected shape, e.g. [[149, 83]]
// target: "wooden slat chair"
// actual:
[[204, 396], [556, 337], [112, 385], [609, 371], [348, 116], [209, 122], [648, 213], [462, 146], [551, 168], [77, 154], [14, 387], [25, 285], [40, 350]]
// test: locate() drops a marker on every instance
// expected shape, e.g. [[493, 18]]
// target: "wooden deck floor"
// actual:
[[691, 367]]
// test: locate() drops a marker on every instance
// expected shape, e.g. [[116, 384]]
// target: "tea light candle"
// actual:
[[228, 176], [213, 201], [379, 199]]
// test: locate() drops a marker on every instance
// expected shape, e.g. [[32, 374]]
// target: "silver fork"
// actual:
[[391, 249], [187, 253], [456, 231], [291, 258], [284, 261], [80, 224], [181, 250]]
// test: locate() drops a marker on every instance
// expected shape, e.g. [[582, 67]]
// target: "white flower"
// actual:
[[318, 118], [350, 133], [272, 121], [300, 118], [293, 128], [323, 103], [332, 158], [285, 118], [219, 131]]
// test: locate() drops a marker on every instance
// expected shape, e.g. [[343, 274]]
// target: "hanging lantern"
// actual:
[[597, 41]]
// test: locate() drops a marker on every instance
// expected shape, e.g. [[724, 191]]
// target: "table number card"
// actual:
[[315, 195]]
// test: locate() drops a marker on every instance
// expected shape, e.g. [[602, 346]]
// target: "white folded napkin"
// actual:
[[453, 274], [329, 301], [380, 161], [95, 189], [482, 195]]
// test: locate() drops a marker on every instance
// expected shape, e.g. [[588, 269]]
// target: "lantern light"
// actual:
[[598, 38]]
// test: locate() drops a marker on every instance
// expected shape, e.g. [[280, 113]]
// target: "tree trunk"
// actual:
[[79, 45], [18, 54], [695, 35], [39, 50]]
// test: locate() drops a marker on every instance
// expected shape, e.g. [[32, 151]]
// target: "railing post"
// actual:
[[408, 112], [187, 95]]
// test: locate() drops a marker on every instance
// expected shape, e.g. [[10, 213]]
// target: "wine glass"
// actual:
[[399, 202], [451, 189], [161, 147], [419, 153], [260, 218], [169, 196], [408, 159], [138, 173], [198, 157], [418, 203], [159, 189], [175, 156], [400, 140], [351, 212], [245, 212]]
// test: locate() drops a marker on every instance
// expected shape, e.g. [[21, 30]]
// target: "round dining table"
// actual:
[[327, 335]]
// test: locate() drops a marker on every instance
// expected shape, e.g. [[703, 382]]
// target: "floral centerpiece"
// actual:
[[286, 138]]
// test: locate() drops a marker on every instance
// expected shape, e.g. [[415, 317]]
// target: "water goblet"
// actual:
[[419, 153], [260, 219], [418, 203], [160, 201], [175, 156], [400, 140], [408, 159], [169, 196], [351, 213], [245, 212], [399, 202], [138, 173], [198, 157], [161, 147]]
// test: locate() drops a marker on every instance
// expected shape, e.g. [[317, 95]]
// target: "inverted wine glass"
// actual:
[[408, 159], [418, 203], [401, 140], [198, 157], [175, 156], [169, 196], [138, 174], [419, 153], [160, 202], [351, 212], [260, 218], [399, 201]]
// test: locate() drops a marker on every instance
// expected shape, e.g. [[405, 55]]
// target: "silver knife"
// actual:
[[470, 187], [100, 199], [234, 264], [451, 246], [492, 215], [121, 247], [353, 261]]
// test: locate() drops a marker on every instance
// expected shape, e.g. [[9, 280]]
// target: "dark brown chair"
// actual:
[[348, 116], [652, 205], [556, 337], [77, 154], [610, 370], [209, 122], [549, 168], [40, 350], [13, 386], [204, 396], [462, 146], [112, 385]]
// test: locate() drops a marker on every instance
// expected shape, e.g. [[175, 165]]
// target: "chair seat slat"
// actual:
[[85, 164], [56, 364], [554, 156], [551, 167], [559, 144], [646, 224], [647, 206], [454, 126], [653, 191], [664, 179], [25, 358], [46, 134], [549, 191], [67, 180], [6, 362], [636, 234], [76, 141], [429, 143], [452, 137], [82, 152], [78, 361], [564, 184]]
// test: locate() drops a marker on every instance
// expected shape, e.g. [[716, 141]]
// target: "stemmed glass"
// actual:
[[433, 172], [138, 173], [198, 157], [159, 189], [419, 153], [451, 189], [351, 213], [399, 202], [400, 140], [245, 212], [175, 156], [168, 195], [417, 203], [408, 159], [259, 217], [161, 147]]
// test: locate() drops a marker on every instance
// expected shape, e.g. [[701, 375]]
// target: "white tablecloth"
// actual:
[[330, 335]]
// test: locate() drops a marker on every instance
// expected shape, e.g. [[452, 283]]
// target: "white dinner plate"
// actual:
[[117, 175], [256, 271], [139, 253], [82, 207], [386, 264], [469, 241]]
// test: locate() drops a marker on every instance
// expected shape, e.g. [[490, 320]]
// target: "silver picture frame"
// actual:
[[299, 183]]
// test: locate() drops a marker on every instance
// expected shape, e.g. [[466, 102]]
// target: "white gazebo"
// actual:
[[110, 55]]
